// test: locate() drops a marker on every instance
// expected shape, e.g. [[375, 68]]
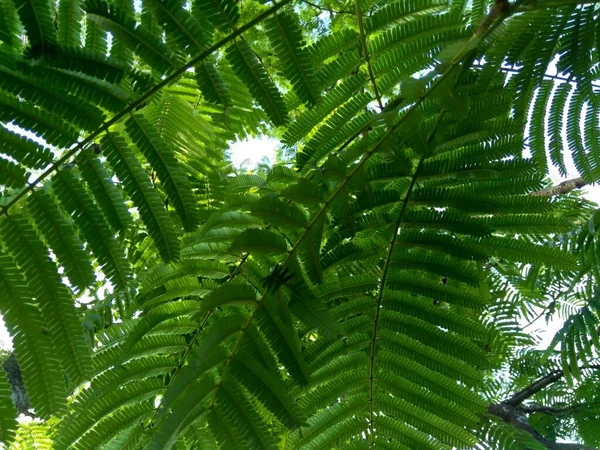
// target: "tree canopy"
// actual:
[[379, 286]]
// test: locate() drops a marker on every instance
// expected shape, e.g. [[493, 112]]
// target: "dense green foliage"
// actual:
[[370, 290]]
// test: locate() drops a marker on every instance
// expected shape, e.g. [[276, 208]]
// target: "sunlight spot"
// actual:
[[249, 153]]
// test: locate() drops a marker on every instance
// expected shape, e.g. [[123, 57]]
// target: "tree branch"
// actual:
[[517, 417], [552, 411], [534, 388], [511, 411], [561, 188]]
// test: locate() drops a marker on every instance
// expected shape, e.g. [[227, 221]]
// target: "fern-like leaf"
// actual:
[[253, 74], [62, 239], [54, 300], [162, 159], [223, 14], [41, 369], [288, 44], [137, 183], [150, 48], [69, 26], [93, 227], [36, 16]]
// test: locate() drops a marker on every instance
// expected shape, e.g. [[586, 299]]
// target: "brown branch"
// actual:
[[517, 417], [553, 411], [534, 388], [512, 412], [498, 10], [561, 188]]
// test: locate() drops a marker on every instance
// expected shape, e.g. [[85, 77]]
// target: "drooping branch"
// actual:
[[517, 417], [559, 412], [534, 388], [511, 410], [561, 188]]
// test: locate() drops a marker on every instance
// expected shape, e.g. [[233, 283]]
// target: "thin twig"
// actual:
[[534, 388], [363, 41], [553, 411]]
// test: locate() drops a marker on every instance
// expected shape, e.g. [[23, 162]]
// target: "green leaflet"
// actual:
[[52, 297], [90, 221], [94, 90], [84, 61], [309, 250], [184, 412], [223, 14], [395, 12], [309, 309], [105, 192], [538, 128], [62, 238], [163, 161], [138, 39], [154, 318], [209, 354], [54, 130], [95, 38], [304, 192], [253, 74], [8, 24], [268, 388], [127, 438], [13, 176], [188, 35], [40, 368], [313, 117], [212, 84], [58, 101], [230, 294], [25, 151], [163, 273], [288, 44], [256, 240], [111, 425], [274, 320], [274, 210], [69, 29], [137, 184], [555, 123], [36, 16], [237, 408]]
